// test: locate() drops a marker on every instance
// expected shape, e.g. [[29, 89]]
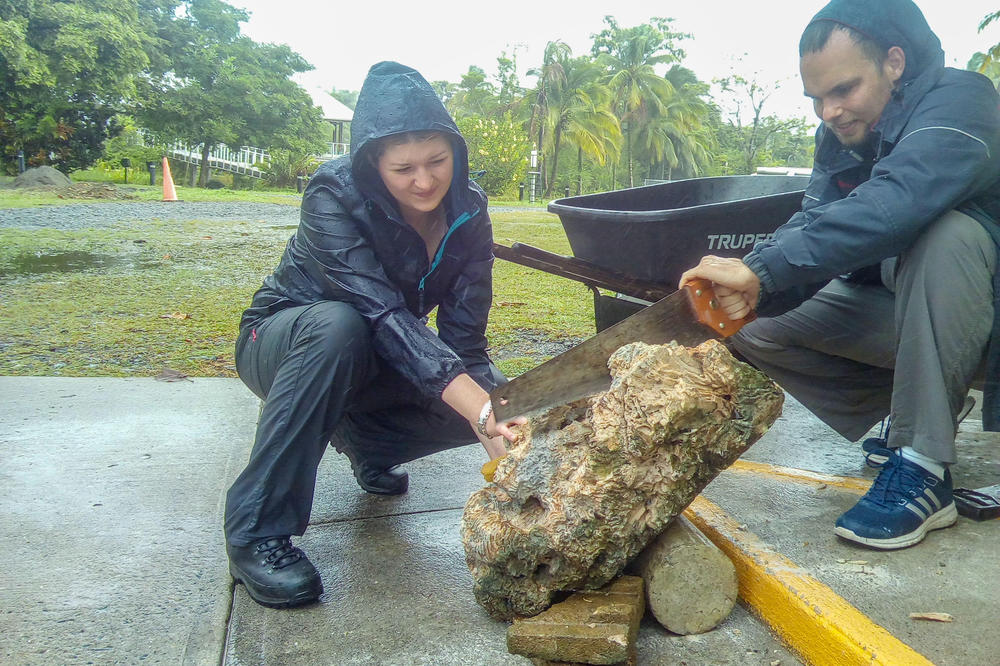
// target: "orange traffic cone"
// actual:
[[169, 193]]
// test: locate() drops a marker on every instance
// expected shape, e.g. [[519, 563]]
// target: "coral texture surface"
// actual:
[[589, 484]]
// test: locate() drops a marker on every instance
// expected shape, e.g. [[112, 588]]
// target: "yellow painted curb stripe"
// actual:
[[851, 483], [811, 618]]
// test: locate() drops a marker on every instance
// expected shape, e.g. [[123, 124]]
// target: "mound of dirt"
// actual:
[[43, 176], [94, 191], [52, 180]]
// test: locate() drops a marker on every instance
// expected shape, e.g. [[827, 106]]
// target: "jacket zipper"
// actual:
[[462, 219]]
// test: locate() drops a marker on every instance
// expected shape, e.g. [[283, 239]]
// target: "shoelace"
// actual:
[[280, 552], [883, 431], [893, 476]]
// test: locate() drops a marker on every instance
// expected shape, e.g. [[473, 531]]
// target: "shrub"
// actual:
[[286, 166], [129, 144], [498, 147]]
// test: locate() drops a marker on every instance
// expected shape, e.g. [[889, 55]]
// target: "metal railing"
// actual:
[[247, 161], [335, 150]]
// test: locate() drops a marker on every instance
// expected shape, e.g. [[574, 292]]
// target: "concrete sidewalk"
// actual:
[[112, 494]]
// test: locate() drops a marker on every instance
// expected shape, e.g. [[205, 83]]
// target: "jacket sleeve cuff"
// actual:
[[756, 263]]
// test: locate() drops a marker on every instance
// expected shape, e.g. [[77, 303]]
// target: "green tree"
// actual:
[[676, 138], [630, 56], [792, 145], [348, 98], [67, 68], [444, 90], [788, 143], [474, 95], [221, 87], [550, 76], [579, 108], [509, 87], [987, 63], [750, 132], [131, 145]]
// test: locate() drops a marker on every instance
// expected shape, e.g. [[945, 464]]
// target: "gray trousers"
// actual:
[[910, 347], [315, 368]]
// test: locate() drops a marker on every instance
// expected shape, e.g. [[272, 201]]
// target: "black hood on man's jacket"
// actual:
[[890, 23], [395, 99]]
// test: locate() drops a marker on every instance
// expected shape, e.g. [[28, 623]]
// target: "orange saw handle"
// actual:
[[707, 311]]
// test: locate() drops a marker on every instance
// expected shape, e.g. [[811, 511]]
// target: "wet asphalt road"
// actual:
[[90, 216], [96, 215]]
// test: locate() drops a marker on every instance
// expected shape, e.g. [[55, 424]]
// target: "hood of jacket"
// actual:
[[395, 99], [890, 23]]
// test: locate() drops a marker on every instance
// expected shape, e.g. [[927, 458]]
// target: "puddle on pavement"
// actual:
[[34, 263]]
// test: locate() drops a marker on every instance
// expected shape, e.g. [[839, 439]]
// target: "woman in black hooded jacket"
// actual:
[[335, 341]]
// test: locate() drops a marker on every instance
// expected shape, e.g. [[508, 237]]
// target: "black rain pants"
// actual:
[[319, 378]]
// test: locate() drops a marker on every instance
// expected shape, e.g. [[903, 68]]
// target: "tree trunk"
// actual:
[[555, 161], [541, 155], [628, 139], [203, 179], [531, 122], [579, 171]]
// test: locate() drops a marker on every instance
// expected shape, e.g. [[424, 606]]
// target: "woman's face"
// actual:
[[417, 173]]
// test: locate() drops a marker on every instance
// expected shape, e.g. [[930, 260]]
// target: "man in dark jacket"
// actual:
[[881, 291]]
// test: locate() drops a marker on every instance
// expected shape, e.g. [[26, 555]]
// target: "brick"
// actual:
[[591, 627]]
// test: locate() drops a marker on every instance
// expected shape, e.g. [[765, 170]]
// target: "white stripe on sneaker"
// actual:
[[927, 505], [917, 511]]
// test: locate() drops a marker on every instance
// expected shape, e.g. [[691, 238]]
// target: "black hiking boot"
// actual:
[[275, 573]]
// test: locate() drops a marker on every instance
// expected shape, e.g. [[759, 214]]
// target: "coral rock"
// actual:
[[589, 485]]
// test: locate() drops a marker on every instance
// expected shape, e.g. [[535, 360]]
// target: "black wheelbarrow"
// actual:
[[638, 241]]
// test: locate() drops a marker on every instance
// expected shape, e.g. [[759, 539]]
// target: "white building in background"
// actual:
[[252, 161], [337, 114]]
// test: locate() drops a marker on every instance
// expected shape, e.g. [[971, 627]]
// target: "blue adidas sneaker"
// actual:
[[904, 503]]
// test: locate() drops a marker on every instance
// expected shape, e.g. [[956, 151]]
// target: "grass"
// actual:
[[10, 198], [132, 299]]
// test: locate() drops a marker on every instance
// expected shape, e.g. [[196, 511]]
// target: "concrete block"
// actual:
[[593, 627]]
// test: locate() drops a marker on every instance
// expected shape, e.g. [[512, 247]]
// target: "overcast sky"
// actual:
[[441, 38]]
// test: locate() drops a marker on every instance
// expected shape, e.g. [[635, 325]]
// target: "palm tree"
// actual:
[[550, 75], [579, 108], [474, 95], [987, 63], [676, 135], [630, 56]]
